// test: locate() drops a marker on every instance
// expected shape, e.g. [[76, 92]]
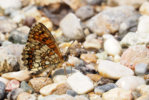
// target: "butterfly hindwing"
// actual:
[[41, 50]]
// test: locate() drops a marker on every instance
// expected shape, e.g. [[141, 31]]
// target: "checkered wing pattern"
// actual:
[[41, 51]]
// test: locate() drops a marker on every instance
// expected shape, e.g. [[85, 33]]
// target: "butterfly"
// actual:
[[41, 51]]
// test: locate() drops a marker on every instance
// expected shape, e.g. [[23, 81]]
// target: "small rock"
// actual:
[[16, 15], [144, 9], [135, 55], [141, 69], [2, 90], [74, 61], [143, 89], [85, 12], [71, 92], [94, 77], [134, 38], [26, 87], [102, 55], [26, 96], [104, 88], [89, 58], [4, 80], [14, 94], [95, 97], [143, 24], [7, 25], [60, 78], [130, 82], [117, 72], [74, 4], [80, 83], [109, 20], [92, 43], [19, 35], [117, 94], [94, 2], [13, 84], [55, 88], [112, 46], [128, 24], [57, 97], [71, 27], [39, 82], [144, 97], [103, 81], [20, 75], [135, 4], [81, 98], [11, 4]]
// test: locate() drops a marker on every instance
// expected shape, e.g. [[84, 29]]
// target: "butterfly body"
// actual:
[[41, 51]]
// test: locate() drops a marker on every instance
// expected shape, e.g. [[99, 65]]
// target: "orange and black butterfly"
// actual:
[[41, 51]]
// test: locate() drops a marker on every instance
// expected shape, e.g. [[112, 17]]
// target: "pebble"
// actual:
[[141, 69], [74, 4], [143, 24], [89, 58], [118, 70], [135, 55], [55, 88], [108, 21], [94, 2], [95, 97], [2, 90], [94, 77], [143, 89], [71, 92], [60, 78], [129, 25], [19, 35], [112, 46], [26, 96], [14, 94], [7, 25], [91, 42], [144, 9], [104, 88], [80, 83], [130, 82], [135, 4], [26, 87], [103, 81], [102, 55], [134, 38], [13, 84], [57, 97], [117, 94], [39, 82], [10, 4], [20, 75], [4, 80], [85, 12], [71, 27], [74, 61], [144, 97]]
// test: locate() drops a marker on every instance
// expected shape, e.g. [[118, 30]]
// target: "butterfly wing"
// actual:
[[41, 50]]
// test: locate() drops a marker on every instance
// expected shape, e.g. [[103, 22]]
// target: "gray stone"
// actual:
[[19, 35], [14, 93], [141, 69], [71, 26], [109, 20], [71, 92], [104, 88], [26, 87], [94, 2], [2, 90], [85, 12]]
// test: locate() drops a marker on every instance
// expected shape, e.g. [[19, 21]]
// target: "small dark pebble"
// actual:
[[71, 92]]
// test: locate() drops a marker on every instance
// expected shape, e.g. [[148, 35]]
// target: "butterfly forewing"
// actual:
[[41, 51]]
